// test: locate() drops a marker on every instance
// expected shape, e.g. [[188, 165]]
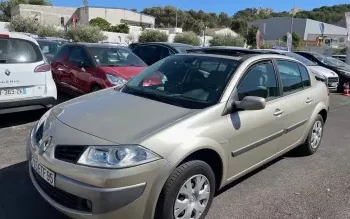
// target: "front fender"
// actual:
[[197, 144]]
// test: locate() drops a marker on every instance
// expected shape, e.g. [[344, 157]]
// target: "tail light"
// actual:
[[43, 68], [4, 36]]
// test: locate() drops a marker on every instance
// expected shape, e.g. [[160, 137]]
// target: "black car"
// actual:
[[50, 46], [341, 68], [153, 52]]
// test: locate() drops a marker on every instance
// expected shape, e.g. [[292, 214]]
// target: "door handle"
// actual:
[[278, 112], [308, 100]]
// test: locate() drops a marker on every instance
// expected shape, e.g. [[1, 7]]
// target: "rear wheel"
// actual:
[[188, 192], [314, 138]]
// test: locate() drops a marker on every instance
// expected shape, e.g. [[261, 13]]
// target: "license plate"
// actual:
[[13, 91], [43, 172]]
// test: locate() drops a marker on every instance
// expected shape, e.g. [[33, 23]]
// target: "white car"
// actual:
[[26, 81], [330, 77]]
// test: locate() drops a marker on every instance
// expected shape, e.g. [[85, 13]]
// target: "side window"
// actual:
[[149, 53], [165, 52], [77, 55], [259, 81], [305, 77], [62, 53], [290, 76]]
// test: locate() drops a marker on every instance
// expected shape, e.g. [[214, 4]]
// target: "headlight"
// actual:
[[115, 80], [345, 72], [120, 156], [43, 119]]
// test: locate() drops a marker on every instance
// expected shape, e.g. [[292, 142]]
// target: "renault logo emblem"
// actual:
[[7, 72], [44, 143]]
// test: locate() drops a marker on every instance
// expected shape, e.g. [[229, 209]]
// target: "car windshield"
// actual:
[[330, 61], [189, 81], [301, 59], [115, 56], [49, 47]]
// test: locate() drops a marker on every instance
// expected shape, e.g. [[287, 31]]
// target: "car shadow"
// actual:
[[18, 197], [21, 118]]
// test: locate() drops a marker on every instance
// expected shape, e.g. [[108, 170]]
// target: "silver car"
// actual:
[[161, 146]]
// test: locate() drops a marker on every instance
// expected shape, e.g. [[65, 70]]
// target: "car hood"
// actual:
[[116, 116], [323, 71], [125, 72]]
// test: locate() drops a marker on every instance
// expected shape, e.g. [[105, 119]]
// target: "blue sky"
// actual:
[[228, 6]]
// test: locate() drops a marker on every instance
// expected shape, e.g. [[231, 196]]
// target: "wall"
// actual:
[[45, 14], [118, 16], [225, 31], [3, 27], [313, 30], [277, 27]]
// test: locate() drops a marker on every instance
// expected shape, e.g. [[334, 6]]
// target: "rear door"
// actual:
[[299, 99], [19, 75], [78, 61]]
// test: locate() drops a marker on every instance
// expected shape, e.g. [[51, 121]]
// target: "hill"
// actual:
[[196, 20]]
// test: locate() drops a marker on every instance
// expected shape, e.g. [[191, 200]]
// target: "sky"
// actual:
[[228, 6]]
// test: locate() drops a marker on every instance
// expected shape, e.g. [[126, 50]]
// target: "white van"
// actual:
[[26, 81]]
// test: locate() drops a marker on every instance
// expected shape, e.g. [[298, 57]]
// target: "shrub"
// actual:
[[227, 40], [21, 24], [187, 38], [101, 23], [85, 33], [49, 31], [153, 36], [121, 28]]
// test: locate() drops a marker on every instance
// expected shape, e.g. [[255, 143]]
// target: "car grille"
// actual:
[[333, 79], [61, 197], [69, 153]]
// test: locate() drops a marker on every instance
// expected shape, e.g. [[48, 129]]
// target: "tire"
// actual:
[[312, 144], [187, 174]]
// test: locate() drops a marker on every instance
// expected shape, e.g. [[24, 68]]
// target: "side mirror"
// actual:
[[251, 103]]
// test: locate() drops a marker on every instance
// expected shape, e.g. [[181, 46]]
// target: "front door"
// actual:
[[256, 135], [78, 69]]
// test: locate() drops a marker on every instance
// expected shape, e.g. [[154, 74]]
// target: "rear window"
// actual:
[[19, 51]]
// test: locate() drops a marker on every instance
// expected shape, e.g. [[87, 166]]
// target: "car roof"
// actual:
[[244, 57], [168, 44], [19, 36], [272, 51], [105, 45]]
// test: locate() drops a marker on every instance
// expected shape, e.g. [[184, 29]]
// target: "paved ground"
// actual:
[[313, 187]]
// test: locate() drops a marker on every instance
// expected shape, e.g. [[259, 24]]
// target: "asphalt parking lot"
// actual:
[[314, 187]]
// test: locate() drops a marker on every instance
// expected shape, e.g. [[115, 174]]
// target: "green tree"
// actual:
[[239, 26], [187, 38], [121, 28], [85, 33], [227, 40], [101, 23], [49, 31], [295, 39], [5, 7], [153, 36], [251, 36], [22, 24]]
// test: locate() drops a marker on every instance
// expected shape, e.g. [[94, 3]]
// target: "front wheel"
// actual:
[[188, 192], [314, 138]]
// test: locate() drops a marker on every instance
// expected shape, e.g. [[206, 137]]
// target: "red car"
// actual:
[[81, 68]]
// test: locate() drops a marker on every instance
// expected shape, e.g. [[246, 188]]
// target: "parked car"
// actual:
[[153, 52], [25, 77], [50, 47], [162, 151], [331, 78], [81, 68], [340, 57], [341, 68]]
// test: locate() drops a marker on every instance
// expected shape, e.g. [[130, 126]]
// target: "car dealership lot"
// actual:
[[289, 187]]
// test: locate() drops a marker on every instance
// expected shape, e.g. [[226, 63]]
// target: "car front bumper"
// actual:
[[19, 105], [134, 194]]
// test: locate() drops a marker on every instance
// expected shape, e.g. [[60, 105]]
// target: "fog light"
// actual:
[[88, 205]]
